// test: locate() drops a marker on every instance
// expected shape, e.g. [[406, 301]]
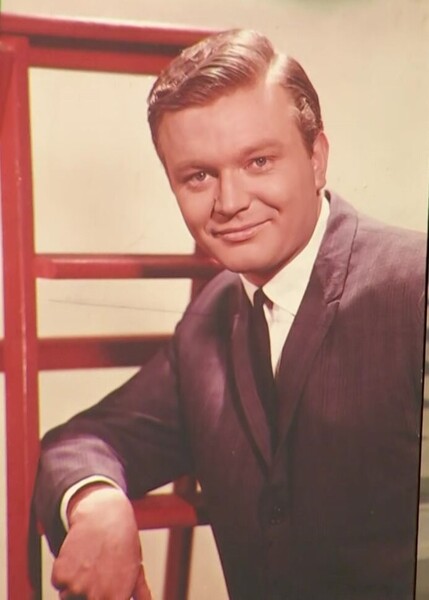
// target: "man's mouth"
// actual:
[[239, 234]]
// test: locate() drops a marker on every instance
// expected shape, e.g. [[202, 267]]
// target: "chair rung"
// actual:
[[156, 511], [123, 266], [76, 33], [94, 352]]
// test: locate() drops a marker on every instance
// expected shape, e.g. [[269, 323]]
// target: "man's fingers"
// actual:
[[141, 590]]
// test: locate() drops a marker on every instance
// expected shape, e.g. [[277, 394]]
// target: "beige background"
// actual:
[[98, 185]]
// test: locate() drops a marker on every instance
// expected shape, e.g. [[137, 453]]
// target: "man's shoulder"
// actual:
[[214, 306], [391, 248], [224, 285], [380, 245], [374, 260]]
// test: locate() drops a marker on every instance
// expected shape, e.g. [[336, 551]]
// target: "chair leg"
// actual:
[[34, 559], [179, 551], [177, 571]]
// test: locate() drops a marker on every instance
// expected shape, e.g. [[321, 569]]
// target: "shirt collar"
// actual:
[[286, 289]]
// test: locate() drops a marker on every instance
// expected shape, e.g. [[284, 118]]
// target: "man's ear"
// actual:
[[319, 160]]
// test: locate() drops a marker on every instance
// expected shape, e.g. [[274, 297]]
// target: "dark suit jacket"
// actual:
[[332, 515]]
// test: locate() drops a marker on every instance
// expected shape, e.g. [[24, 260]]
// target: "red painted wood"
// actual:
[[179, 550], [179, 554], [97, 46], [6, 61], [98, 352], [73, 44], [143, 61], [169, 510], [95, 352], [123, 266], [20, 347], [45, 30]]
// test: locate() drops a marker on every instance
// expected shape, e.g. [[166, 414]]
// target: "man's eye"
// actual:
[[199, 177], [260, 162]]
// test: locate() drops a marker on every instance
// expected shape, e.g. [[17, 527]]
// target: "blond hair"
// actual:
[[225, 62]]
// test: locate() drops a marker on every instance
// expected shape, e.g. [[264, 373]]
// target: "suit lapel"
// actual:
[[311, 324], [305, 338], [248, 396], [317, 310]]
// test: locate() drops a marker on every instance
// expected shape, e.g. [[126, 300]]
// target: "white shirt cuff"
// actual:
[[75, 488]]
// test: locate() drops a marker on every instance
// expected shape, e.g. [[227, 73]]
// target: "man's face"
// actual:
[[244, 181]]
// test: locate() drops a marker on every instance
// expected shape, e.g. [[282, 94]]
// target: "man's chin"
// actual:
[[246, 261], [257, 274]]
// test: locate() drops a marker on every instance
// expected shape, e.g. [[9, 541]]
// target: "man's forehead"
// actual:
[[242, 96], [231, 127]]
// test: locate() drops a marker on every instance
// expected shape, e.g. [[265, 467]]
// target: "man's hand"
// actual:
[[100, 558]]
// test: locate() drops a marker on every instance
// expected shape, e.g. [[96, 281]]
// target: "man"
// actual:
[[310, 477]]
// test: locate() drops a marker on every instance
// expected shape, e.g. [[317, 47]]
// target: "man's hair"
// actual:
[[223, 63]]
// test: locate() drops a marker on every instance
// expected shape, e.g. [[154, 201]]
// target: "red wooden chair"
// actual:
[[68, 44]]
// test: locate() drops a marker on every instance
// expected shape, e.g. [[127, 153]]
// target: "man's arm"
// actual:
[[133, 437]]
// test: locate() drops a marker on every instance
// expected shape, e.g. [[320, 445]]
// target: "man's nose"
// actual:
[[232, 195]]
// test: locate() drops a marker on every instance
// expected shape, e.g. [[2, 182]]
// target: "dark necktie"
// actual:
[[261, 357]]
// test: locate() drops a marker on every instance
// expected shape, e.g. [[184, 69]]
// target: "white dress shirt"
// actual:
[[286, 289]]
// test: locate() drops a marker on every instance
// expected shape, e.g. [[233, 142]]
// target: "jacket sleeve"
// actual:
[[134, 436]]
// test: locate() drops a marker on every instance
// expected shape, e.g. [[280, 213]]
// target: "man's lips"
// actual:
[[239, 234]]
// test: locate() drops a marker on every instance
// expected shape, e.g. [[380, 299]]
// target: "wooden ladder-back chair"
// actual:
[[27, 42]]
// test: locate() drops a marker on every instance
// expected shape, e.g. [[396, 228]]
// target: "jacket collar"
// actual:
[[311, 324]]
